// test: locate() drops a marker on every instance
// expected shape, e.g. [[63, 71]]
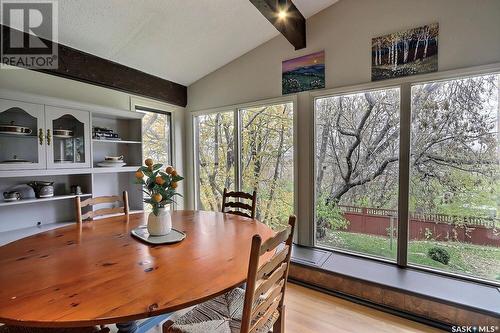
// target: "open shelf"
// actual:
[[18, 136], [113, 170], [117, 141], [29, 201], [56, 172], [45, 172]]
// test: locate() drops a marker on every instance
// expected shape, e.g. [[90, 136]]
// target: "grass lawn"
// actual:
[[474, 260]]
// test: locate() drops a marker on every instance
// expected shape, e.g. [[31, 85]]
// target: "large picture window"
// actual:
[[267, 160], [214, 135], [357, 150], [247, 149], [454, 176], [442, 178]]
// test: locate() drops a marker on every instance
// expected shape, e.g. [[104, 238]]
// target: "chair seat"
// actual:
[[221, 314]]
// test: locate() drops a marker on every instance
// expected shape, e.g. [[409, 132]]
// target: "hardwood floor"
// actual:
[[308, 310]]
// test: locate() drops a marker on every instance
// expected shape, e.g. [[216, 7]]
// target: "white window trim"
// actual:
[[412, 80]]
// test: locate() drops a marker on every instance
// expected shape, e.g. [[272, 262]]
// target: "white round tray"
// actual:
[[142, 233]]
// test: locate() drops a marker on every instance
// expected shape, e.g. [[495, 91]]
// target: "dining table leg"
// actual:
[[128, 327]]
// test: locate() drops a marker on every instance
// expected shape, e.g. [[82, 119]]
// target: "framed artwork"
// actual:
[[303, 73], [409, 52]]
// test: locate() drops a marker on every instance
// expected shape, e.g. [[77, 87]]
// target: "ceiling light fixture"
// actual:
[[282, 14]]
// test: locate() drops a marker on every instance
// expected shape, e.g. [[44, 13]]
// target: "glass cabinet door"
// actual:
[[67, 138], [22, 137]]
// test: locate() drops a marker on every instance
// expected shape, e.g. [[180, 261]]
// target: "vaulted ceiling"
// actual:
[[178, 40]]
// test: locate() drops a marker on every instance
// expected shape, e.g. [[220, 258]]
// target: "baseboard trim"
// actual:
[[402, 314]]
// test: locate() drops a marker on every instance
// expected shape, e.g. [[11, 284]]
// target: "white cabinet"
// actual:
[[50, 140], [67, 138], [35, 137], [22, 136]]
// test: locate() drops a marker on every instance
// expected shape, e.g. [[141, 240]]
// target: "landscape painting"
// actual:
[[303, 73], [409, 52]]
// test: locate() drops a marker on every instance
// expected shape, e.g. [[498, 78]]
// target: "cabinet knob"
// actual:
[[40, 136], [49, 137]]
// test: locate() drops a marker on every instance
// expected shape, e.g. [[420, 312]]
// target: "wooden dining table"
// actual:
[[96, 273]]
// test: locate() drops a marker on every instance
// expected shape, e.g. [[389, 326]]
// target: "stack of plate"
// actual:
[[112, 161], [16, 160]]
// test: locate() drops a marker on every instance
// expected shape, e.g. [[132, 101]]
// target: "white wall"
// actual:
[[26, 81], [469, 36], [18, 79]]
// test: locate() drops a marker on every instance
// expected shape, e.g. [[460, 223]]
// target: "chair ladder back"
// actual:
[[231, 206], [103, 211], [266, 284]]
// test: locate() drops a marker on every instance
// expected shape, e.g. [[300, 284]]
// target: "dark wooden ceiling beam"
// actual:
[[81, 66], [293, 27]]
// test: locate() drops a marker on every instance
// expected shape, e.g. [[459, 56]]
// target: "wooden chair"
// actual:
[[226, 204], [103, 211], [257, 309]]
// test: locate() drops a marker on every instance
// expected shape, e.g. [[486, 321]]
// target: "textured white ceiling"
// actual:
[[178, 40]]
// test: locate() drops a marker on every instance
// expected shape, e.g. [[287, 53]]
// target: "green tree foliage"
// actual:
[[454, 158], [332, 214], [215, 143], [156, 137], [267, 160], [454, 148], [266, 153], [357, 151]]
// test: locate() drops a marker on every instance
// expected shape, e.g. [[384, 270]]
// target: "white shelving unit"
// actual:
[[81, 154], [29, 201], [126, 168]]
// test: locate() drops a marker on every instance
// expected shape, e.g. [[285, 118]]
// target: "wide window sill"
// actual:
[[453, 291]]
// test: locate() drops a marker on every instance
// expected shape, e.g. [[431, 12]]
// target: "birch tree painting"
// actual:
[[410, 52]]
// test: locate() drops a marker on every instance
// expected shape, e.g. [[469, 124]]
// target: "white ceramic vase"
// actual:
[[160, 225]]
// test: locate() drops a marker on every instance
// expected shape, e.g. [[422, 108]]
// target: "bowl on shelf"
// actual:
[[11, 196], [42, 189], [16, 160], [13, 129], [113, 158], [24, 190], [63, 134]]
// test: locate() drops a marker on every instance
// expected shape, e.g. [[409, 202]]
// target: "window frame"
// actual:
[[138, 104], [170, 123], [314, 170], [196, 166], [236, 110], [405, 85]]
